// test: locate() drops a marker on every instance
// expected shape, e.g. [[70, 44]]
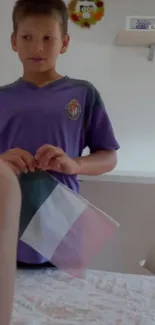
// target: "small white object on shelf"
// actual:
[[140, 23], [140, 31]]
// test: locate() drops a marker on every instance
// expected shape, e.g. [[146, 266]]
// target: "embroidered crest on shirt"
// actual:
[[73, 109]]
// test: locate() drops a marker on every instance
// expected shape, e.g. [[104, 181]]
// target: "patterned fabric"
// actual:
[[54, 298], [142, 24], [59, 224]]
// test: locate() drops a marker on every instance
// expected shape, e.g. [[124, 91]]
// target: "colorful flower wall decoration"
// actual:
[[86, 13]]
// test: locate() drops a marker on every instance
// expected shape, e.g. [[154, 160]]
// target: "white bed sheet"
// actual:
[[54, 298]]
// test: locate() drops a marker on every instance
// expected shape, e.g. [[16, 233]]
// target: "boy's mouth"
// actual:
[[37, 59]]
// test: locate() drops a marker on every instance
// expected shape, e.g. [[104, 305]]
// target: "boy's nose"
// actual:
[[40, 47]]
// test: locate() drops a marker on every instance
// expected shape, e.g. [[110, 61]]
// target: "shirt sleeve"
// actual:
[[99, 133]]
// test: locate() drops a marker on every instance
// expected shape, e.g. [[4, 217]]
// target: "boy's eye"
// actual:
[[47, 38], [27, 37]]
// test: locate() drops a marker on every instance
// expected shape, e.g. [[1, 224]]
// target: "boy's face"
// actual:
[[38, 42]]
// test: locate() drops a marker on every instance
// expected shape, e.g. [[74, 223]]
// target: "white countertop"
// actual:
[[124, 176]]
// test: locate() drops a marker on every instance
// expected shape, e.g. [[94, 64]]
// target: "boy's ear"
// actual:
[[65, 44], [13, 42]]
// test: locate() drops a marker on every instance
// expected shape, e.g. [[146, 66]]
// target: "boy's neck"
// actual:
[[41, 79]]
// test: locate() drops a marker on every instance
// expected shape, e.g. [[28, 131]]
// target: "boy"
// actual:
[[10, 201], [48, 119]]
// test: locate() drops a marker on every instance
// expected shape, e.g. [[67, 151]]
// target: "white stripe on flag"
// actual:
[[88, 235], [53, 220]]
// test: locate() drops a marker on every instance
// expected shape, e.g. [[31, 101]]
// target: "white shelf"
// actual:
[[135, 38], [126, 176]]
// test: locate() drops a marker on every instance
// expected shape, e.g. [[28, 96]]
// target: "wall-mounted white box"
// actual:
[[140, 23]]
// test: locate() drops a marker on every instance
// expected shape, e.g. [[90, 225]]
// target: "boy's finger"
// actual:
[[21, 165], [18, 163], [41, 152], [47, 152], [53, 164], [51, 155], [56, 164], [29, 160]]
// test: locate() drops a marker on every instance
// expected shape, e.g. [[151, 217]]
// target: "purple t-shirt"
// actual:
[[67, 113]]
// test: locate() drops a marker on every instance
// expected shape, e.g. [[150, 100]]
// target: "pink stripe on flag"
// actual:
[[88, 235]]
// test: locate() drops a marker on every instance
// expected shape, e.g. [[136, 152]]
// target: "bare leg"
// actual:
[[10, 201]]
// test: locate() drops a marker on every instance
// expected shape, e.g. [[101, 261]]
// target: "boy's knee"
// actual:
[[9, 186]]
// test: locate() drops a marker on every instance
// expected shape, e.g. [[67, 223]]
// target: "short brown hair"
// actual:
[[25, 8]]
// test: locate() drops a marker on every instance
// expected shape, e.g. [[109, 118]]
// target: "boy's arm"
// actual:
[[97, 163], [99, 137]]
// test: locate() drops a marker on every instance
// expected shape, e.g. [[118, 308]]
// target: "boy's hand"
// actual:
[[19, 160], [53, 158]]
